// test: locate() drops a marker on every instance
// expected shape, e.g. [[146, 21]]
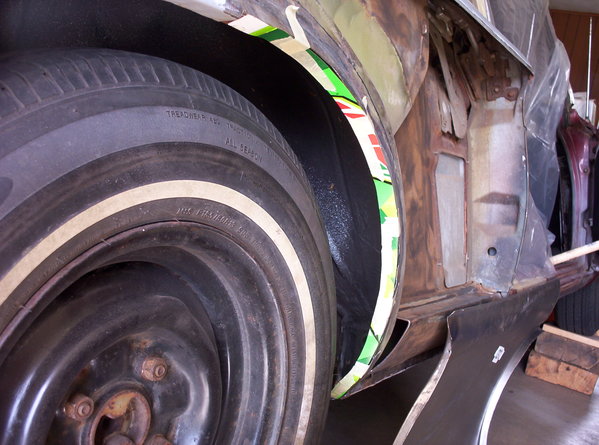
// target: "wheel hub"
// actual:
[[125, 417]]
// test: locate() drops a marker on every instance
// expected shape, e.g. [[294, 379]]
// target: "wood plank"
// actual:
[[591, 341], [563, 349], [560, 373], [579, 54], [572, 28], [560, 21], [552, 12]]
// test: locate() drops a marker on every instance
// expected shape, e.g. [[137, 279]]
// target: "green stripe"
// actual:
[[340, 88], [275, 34], [369, 348], [384, 191], [262, 31]]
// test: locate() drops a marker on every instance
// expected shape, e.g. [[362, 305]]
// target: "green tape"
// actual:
[[274, 34], [369, 348], [340, 88]]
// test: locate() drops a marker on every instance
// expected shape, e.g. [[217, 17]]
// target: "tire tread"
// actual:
[[74, 72], [579, 311]]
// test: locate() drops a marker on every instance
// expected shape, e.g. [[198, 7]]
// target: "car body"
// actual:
[[426, 131]]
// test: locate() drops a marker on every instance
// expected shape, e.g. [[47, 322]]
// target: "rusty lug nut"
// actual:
[[118, 439], [154, 369], [158, 439], [79, 407]]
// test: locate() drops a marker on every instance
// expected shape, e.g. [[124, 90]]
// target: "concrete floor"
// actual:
[[530, 412]]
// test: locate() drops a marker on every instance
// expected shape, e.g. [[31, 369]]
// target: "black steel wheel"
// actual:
[[164, 274]]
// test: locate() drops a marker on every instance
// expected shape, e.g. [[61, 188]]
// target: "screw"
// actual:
[[118, 439], [154, 369], [158, 439], [79, 407]]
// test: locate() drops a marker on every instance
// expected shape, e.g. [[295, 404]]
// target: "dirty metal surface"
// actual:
[[573, 275], [425, 332], [406, 26], [498, 195], [417, 140], [420, 141], [484, 345]]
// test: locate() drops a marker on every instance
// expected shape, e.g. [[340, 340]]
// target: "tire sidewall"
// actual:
[[77, 165]]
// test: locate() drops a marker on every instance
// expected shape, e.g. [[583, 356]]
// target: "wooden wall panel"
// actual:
[[572, 28]]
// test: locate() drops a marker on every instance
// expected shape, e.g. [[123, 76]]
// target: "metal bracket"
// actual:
[[500, 87], [484, 345]]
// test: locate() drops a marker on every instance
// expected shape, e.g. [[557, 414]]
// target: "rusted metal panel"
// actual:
[[495, 33], [406, 25], [574, 275], [417, 141], [498, 194]]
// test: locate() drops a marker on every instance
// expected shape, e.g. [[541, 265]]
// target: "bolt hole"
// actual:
[[492, 251]]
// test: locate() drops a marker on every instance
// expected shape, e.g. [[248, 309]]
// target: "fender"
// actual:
[[382, 85], [372, 57]]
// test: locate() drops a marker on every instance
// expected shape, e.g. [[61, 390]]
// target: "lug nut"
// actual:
[[158, 439], [154, 369], [79, 407]]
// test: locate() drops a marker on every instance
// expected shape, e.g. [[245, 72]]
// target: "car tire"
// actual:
[[579, 311], [164, 272]]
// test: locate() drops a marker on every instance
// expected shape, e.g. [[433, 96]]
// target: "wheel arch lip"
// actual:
[[383, 97]]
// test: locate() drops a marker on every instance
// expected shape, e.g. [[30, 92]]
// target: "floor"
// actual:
[[530, 412]]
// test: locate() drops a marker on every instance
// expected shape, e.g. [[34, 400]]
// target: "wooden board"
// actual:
[[591, 341], [570, 351], [560, 373]]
